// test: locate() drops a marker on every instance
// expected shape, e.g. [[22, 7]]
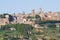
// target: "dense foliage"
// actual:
[[37, 16], [27, 32], [20, 29]]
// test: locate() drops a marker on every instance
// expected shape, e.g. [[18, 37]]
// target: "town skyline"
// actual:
[[16, 6], [36, 12]]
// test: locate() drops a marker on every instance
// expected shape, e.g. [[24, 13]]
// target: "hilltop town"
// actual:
[[30, 18], [31, 26]]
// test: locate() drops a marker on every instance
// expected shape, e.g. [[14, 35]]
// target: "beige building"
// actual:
[[53, 16], [4, 21], [49, 15]]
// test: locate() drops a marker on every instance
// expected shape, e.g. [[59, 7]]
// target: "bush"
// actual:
[[49, 21], [51, 26], [37, 16]]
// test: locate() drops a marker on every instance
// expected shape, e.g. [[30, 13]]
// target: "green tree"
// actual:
[[30, 17], [37, 16]]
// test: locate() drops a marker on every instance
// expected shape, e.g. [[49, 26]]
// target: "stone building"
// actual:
[[49, 15], [4, 21], [41, 14], [53, 16]]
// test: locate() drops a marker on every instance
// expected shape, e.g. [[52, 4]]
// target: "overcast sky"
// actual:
[[11, 6]]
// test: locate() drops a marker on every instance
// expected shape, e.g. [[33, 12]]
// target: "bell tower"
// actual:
[[41, 14], [33, 11], [40, 11]]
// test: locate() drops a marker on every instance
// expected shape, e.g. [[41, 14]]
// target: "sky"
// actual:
[[18, 6]]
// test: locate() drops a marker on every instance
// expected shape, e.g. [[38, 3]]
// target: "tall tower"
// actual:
[[41, 14], [33, 11], [41, 11]]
